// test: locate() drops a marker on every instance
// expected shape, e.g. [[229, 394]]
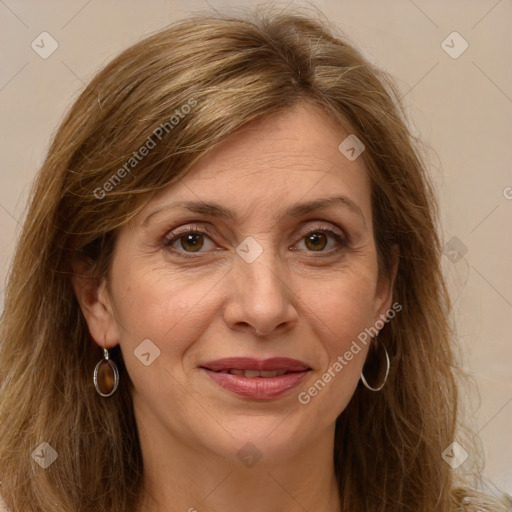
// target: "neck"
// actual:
[[184, 478]]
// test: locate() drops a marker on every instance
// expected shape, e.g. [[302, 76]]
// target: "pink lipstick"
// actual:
[[257, 379]]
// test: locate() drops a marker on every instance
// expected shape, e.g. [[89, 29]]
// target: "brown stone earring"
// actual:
[[106, 376]]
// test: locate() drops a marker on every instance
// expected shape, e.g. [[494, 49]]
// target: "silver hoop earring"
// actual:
[[106, 376], [388, 366]]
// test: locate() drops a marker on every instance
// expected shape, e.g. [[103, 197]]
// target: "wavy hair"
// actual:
[[230, 70]]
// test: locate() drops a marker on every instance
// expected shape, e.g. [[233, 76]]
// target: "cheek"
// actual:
[[167, 308], [342, 311], [344, 307], [159, 314]]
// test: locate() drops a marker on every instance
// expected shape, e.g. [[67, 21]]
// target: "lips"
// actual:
[[260, 379], [248, 363]]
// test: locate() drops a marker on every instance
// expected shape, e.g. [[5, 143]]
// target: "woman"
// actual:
[[227, 293]]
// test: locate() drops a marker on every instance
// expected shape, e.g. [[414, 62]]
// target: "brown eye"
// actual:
[[192, 242], [188, 241], [323, 240], [316, 241]]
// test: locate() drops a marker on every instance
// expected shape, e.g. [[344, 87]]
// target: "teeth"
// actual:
[[255, 373], [272, 373]]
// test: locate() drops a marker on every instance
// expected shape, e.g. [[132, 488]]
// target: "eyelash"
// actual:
[[170, 238]]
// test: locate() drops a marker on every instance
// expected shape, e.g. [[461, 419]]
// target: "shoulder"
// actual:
[[3, 507], [478, 502]]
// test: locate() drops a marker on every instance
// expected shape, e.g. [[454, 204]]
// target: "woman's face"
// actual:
[[266, 276]]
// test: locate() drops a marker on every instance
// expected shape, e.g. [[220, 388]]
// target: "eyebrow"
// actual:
[[297, 210]]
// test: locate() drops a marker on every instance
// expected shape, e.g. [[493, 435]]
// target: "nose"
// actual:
[[260, 299]]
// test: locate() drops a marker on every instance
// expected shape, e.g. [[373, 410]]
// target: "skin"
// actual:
[[307, 301]]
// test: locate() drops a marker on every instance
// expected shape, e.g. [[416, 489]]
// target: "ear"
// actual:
[[95, 303], [384, 290]]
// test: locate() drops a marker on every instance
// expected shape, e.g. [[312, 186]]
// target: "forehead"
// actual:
[[284, 158], [299, 138]]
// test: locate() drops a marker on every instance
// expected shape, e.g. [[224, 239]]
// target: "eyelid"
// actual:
[[183, 230], [323, 227]]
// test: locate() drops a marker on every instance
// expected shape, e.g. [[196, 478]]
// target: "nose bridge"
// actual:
[[262, 293], [261, 270]]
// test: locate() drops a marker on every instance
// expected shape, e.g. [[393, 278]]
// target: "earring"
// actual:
[[388, 366], [106, 376]]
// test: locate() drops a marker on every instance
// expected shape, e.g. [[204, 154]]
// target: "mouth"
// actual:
[[250, 374], [274, 364], [259, 379]]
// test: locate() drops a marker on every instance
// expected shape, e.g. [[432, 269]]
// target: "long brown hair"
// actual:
[[229, 70]]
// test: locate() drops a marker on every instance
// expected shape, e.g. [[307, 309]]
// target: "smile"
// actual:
[[257, 379]]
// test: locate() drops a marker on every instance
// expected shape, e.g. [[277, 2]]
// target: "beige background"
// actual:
[[461, 107]]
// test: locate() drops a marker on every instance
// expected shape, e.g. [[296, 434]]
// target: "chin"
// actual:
[[271, 438]]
